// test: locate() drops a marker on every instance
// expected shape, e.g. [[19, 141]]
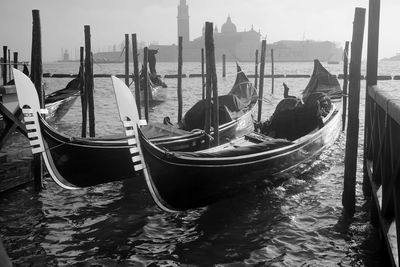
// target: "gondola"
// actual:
[[155, 86], [83, 162], [185, 180], [58, 102]]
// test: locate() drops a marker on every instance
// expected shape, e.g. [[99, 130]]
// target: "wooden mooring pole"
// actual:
[[272, 71], [215, 115], [261, 87], [84, 103], [146, 84], [179, 87], [223, 65], [89, 80], [1, 68], [371, 79], [127, 59], [4, 67], [15, 60], [256, 70], [136, 73], [345, 81], [350, 168], [36, 77], [203, 84], [207, 120], [9, 63]]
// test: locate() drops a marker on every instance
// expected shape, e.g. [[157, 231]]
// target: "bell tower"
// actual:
[[183, 21]]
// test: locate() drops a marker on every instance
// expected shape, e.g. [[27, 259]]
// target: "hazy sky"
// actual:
[[155, 21]]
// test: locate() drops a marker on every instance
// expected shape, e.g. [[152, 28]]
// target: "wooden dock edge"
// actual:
[[382, 164]]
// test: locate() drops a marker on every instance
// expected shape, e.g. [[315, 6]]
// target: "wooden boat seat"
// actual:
[[256, 137], [160, 130]]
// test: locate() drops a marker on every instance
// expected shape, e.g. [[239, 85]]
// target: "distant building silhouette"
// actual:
[[183, 21], [236, 45], [66, 55]]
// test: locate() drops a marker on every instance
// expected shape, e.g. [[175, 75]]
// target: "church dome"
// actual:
[[228, 26]]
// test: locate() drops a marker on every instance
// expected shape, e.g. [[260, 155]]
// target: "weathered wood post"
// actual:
[[146, 84], [261, 87], [84, 103], [345, 81], [203, 84], [15, 60], [1, 68], [215, 90], [350, 167], [89, 80], [223, 65], [136, 73], [4, 67], [272, 71], [9, 63], [127, 59], [209, 47], [36, 77], [179, 87], [36, 56], [371, 79], [256, 70]]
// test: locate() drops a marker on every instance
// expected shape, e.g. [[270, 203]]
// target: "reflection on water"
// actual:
[[295, 221]]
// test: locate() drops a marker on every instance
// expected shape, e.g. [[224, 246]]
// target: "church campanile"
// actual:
[[183, 21]]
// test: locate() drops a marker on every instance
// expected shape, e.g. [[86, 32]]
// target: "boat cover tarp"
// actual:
[[322, 81], [231, 106], [295, 123], [299, 120]]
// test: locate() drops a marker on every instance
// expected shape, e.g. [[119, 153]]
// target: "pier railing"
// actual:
[[382, 163]]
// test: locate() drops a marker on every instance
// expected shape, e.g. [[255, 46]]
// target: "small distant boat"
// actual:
[[156, 88], [59, 102], [185, 180], [155, 85], [332, 62]]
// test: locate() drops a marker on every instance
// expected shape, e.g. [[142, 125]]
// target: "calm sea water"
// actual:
[[295, 222]]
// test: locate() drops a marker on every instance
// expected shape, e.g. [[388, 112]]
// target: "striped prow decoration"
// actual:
[[32, 127], [132, 141]]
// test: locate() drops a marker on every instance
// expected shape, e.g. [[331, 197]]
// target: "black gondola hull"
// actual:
[[182, 183], [83, 164]]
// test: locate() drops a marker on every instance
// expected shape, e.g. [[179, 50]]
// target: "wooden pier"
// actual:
[[382, 161], [382, 146]]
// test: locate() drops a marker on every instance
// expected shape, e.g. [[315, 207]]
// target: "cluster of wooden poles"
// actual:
[[208, 74], [14, 119], [6, 64]]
